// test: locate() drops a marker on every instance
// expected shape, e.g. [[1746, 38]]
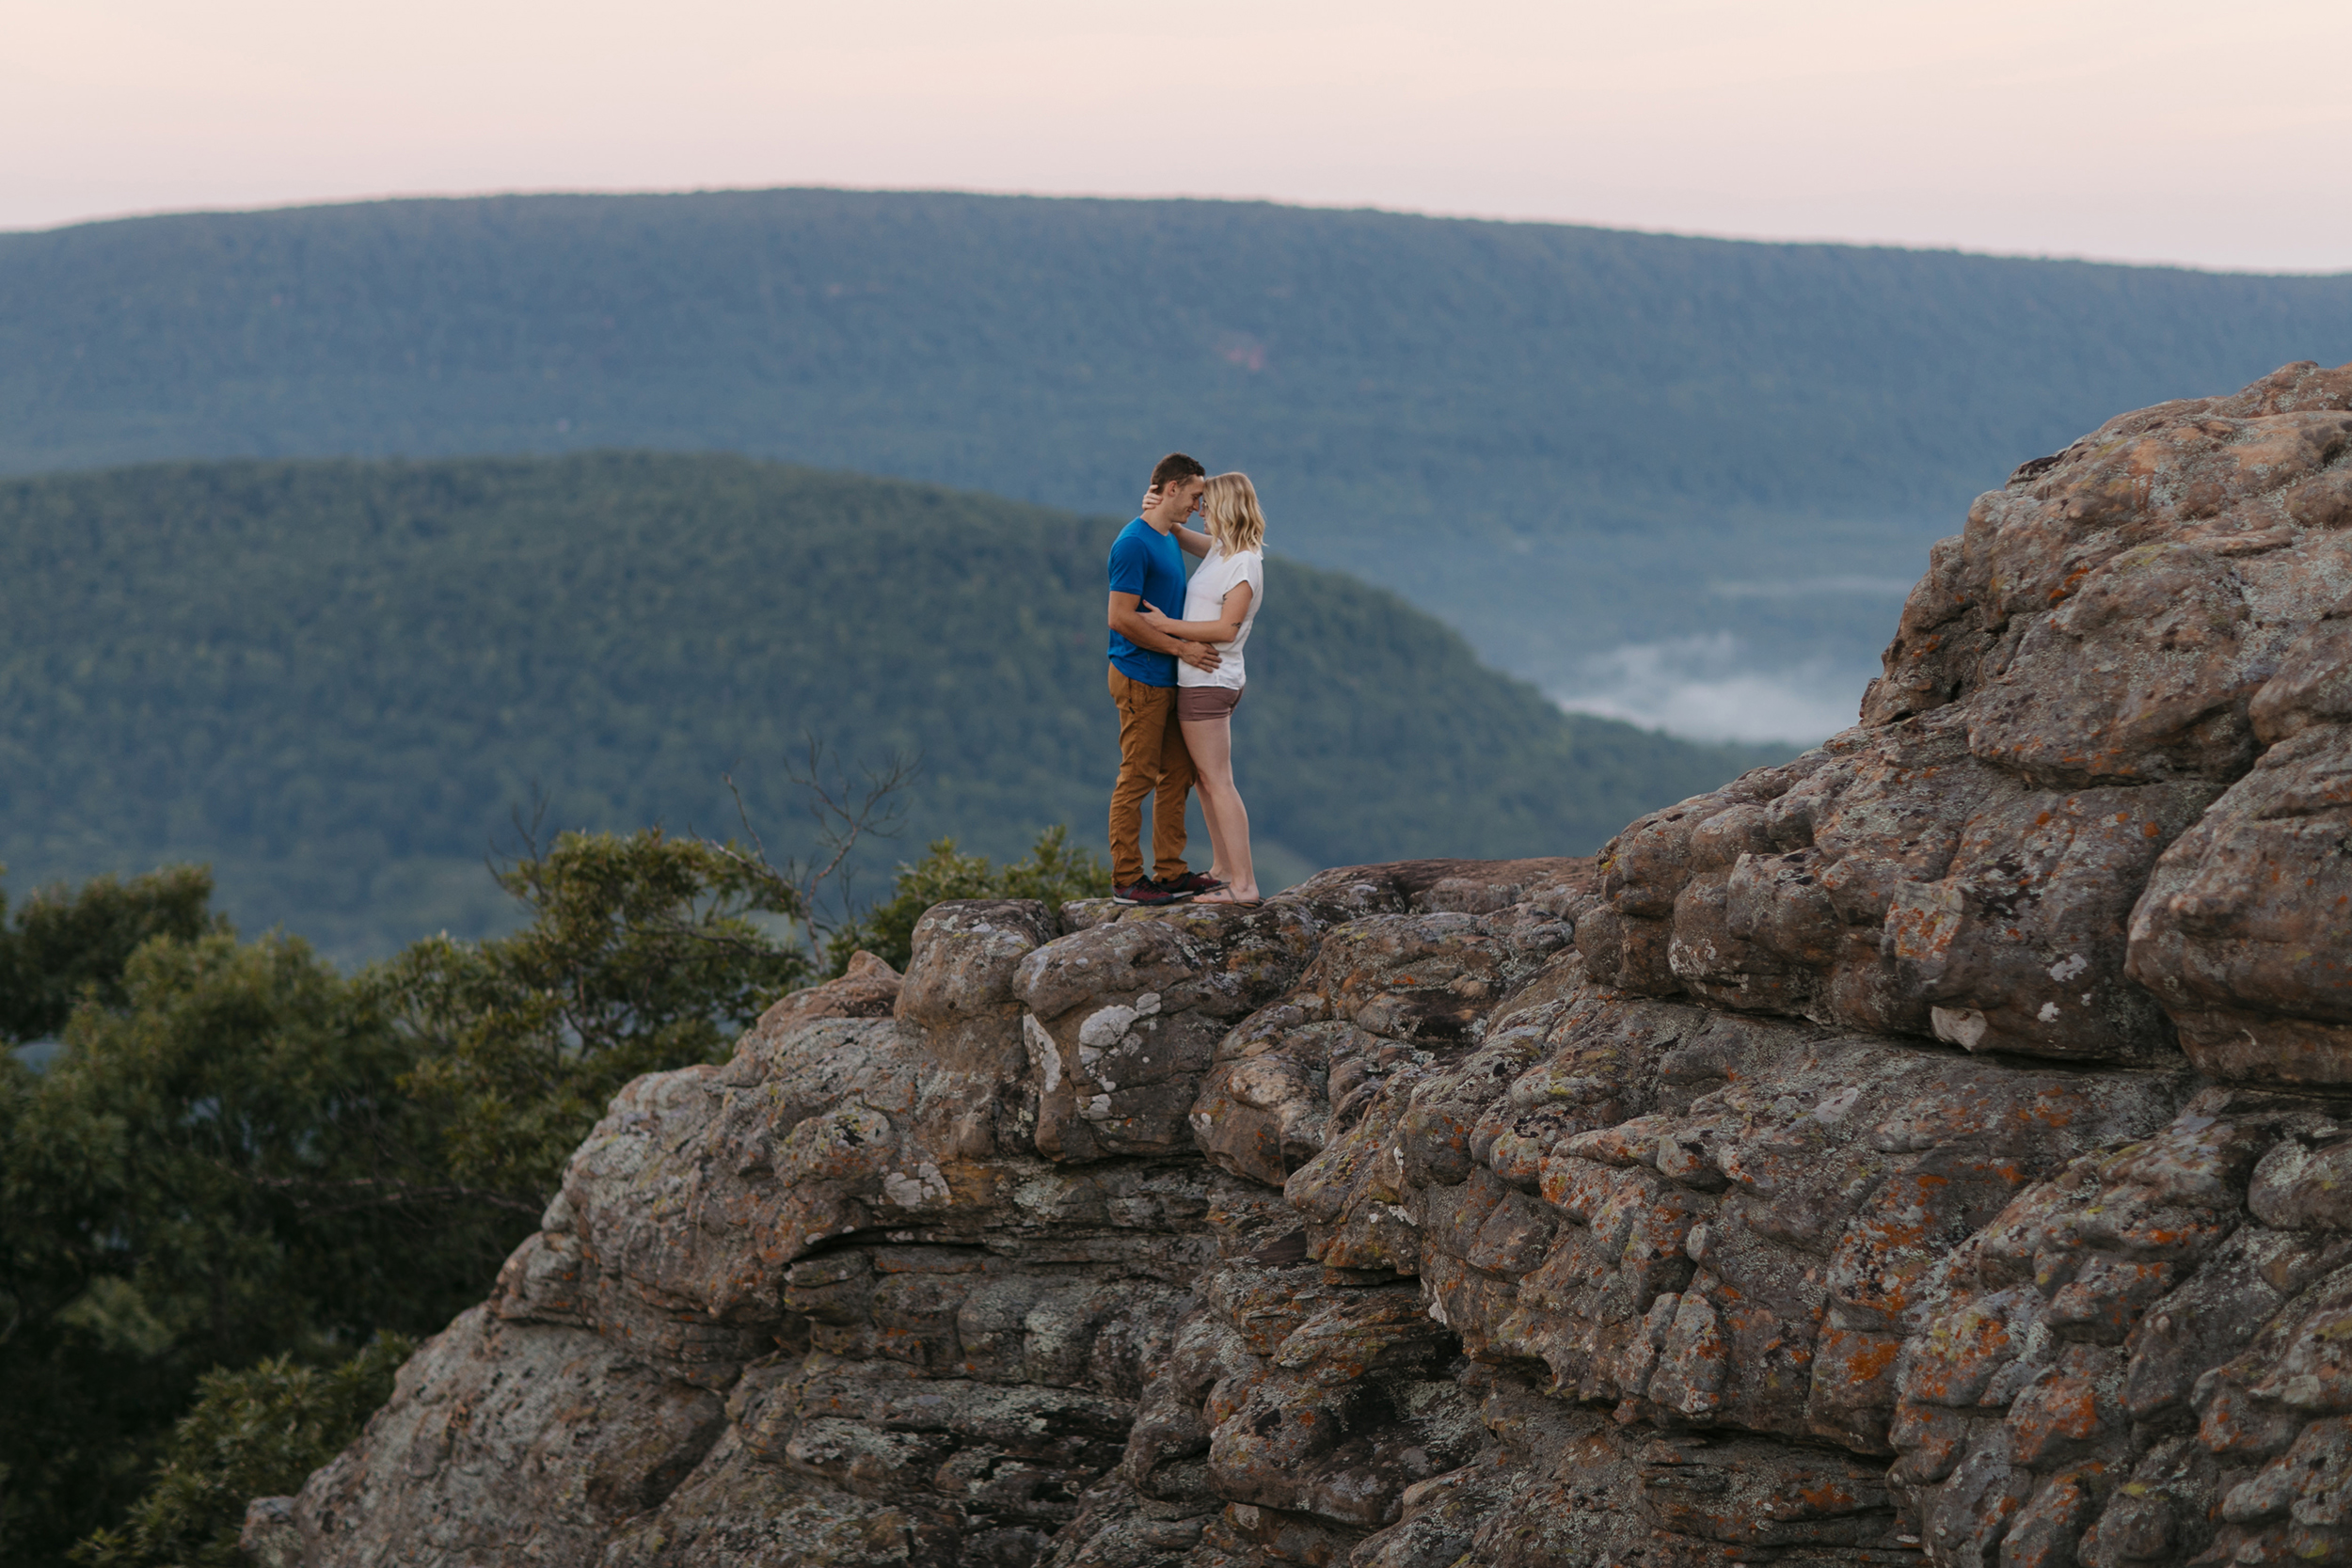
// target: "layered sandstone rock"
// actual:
[[1923, 1150]]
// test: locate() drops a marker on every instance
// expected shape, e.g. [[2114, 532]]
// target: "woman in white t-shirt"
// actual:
[[1220, 605]]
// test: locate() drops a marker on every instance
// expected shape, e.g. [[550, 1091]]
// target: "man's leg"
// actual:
[[1167, 799], [1143, 728]]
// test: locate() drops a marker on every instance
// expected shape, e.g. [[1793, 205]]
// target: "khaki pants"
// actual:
[[1151, 761]]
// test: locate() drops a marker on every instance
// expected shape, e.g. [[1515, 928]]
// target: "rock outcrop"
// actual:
[[1926, 1151]]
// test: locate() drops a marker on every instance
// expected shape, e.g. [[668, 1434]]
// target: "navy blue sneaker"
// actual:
[[1147, 894]]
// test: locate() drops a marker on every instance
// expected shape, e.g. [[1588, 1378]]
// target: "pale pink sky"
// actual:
[[2142, 130]]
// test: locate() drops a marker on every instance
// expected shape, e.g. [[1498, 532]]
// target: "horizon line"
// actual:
[[1950, 247]]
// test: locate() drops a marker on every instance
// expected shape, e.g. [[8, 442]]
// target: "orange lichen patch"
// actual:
[[1909, 1226], [1852, 1397], [1829, 1497], [1875, 1360], [2134, 1223], [2055, 1417], [2053, 1107]]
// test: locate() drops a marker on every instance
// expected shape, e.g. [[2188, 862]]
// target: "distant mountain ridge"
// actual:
[[1565, 441], [338, 680]]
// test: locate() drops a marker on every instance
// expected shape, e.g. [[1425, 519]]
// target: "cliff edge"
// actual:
[[1925, 1150]]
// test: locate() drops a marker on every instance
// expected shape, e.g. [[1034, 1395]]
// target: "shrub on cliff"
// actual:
[[1055, 870], [643, 951], [255, 1434]]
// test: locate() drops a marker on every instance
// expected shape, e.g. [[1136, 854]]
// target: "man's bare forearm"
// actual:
[[1126, 618], [1136, 629], [1202, 631]]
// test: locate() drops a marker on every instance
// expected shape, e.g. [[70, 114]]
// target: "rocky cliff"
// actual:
[[1924, 1150]]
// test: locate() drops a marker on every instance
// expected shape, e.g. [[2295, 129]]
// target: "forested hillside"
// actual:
[[1563, 440], [337, 680]]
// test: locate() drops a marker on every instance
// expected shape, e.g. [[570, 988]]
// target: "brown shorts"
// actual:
[[1205, 702]]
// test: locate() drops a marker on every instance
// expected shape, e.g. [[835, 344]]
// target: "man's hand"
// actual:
[[1200, 656], [1129, 618]]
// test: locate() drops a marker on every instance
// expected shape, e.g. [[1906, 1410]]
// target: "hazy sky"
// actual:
[[2149, 130]]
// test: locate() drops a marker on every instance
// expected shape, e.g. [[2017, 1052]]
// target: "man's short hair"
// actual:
[[1175, 468]]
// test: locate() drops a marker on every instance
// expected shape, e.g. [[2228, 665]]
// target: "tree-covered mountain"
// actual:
[[337, 680], [1563, 440]]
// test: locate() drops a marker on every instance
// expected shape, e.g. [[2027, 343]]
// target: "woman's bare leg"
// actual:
[[1210, 743], [1207, 739]]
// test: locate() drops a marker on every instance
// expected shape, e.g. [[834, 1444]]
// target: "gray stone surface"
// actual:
[[1925, 1150]]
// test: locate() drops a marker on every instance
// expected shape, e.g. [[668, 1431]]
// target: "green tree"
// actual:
[[65, 944], [242, 1159], [219, 1167], [253, 1434], [644, 952], [1054, 870]]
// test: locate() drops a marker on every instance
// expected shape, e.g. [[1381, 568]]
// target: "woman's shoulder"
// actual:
[[1239, 566]]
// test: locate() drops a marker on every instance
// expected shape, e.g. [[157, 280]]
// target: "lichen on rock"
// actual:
[[1927, 1149]]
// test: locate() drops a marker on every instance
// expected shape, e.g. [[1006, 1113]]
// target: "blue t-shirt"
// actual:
[[1150, 564]]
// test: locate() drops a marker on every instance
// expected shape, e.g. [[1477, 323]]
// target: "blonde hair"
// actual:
[[1235, 521]]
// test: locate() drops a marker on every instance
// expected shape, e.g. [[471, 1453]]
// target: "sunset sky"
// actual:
[[2155, 130]]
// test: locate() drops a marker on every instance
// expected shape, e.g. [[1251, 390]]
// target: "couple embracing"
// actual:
[[1177, 679]]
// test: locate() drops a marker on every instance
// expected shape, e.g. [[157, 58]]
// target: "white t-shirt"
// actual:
[[1204, 600]]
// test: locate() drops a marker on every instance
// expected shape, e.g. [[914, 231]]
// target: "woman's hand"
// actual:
[[1200, 656], [1150, 500]]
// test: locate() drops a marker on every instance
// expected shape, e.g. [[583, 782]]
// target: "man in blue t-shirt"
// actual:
[[1148, 567]]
